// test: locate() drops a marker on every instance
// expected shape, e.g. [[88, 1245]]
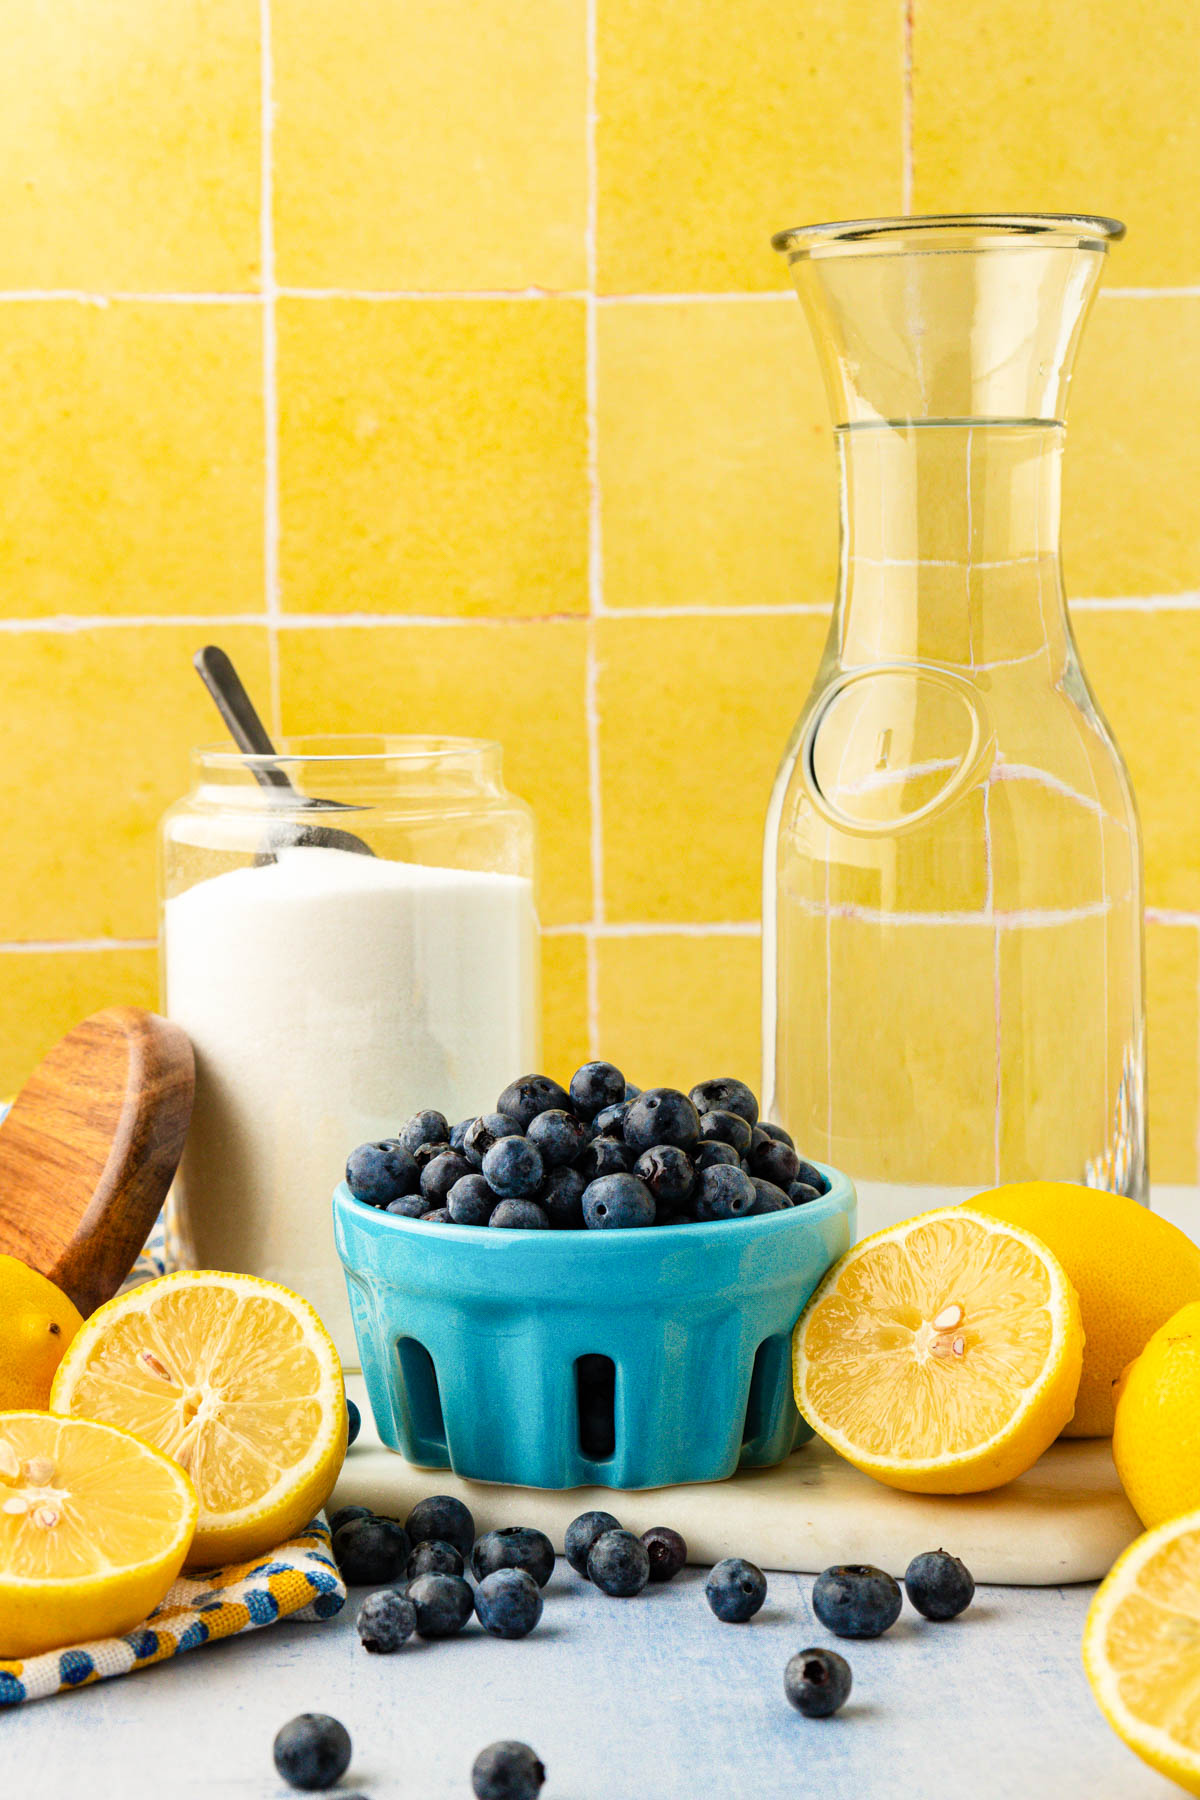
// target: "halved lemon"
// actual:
[[1141, 1649], [237, 1380], [942, 1355], [94, 1528]]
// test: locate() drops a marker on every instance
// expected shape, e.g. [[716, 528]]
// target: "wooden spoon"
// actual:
[[90, 1148]]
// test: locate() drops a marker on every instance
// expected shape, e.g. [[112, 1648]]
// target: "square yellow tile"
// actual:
[[694, 717], [1132, 467], [1141, 665], [131, 459], [1173, 1028], [652, 1024], [564, 1004], [95, 736], [434, 144], [521, 684], [1069, 109], [130, 149], [718, 472], [433, 457], [718, 127], [43, 993]]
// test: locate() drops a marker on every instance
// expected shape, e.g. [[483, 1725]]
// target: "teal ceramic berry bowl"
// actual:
[[558, 1359]]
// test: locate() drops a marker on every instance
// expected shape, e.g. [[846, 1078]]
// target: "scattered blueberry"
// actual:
[[562, 1199], [440, 1174], [800, 1193], [370, 1551], [595, 1086], [722, 1192], [668, 1173], [438, 1215], [817, 1682], [508, 1603], [344, 1514], [559, 1135], [353, 1422], [433, 1557], [856, 1601], [667, 1552], [775, 1162], [486, 1131], [812, 1176], [386, 1620], [440, 1518], [661, 1116], [777, 1132], [939, 1585], [768, 1198], [413, 1206], [443, 1604], [616, 1203], [507, 1771], [724, 1127], [725, 1095], [735, 1590], [519, 1215], [618, 1564], [312, 1751], [605, 1156], [514, 1547], [709, 1154], [611, 1122], [470, 1201], [532, 1095], [426, 1128], [425, 1153], [377, 1174], [513, 1168], [582, 1533]]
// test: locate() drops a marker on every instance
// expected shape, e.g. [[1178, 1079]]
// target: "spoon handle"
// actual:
[[237, 709]]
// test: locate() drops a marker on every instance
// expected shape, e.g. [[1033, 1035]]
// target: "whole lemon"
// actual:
[[37, 1322], [1130, 1268], [1156, 1440]]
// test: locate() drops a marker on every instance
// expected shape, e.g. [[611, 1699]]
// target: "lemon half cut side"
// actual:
[[941, 1355]]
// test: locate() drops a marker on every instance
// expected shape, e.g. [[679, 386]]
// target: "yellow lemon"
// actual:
[[94, 1527], [941, 1355], [1141, 1649], [237, 1380], [37, 1322], [1130, 1268], [1156, 1439]]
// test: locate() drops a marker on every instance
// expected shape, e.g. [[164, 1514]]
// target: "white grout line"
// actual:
[[384, 294], [736, 296], [595, 540], [767, 295], [1165, 915], [270, 370], [36, 946], [17, 296]]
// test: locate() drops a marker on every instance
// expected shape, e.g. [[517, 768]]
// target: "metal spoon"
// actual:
[[250, 734]]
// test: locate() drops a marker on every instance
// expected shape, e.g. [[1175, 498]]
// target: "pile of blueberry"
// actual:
[[602, 1156]]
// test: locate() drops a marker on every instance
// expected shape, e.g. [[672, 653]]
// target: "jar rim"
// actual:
[[1081, 231], [369, 748]]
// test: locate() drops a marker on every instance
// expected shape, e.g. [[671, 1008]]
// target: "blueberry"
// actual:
[[312, 1751], [735, 1590], [413, 1206], [667, 1172], [353, 1422], [582, 1533], [776, 1162], [817, 1682], [344, 1514], [611, 1122], [485, 1131], [507, 1771], [562, 1199], [370, 1551], [812, 1176], [513, 1168], [726, 1095], [425, 1153], [619, 1564], [662, 1116], [443, 1604], [514, 1547], [433, 1557], [939, 1585], [856, 1600], [458, 1137], [617, 1203], [377, 1174], [605, 1156], [386, 1620], [709, 1154], [595, 1086], [667, 1552], [722, 1192], [768, 1198], [559, 1135], [519, 1215], [800, 1193], [426, 1128], [777, 1132], [440, 1174], [508, 1603], [532, 1095], [470, 1201], [723, 1127], [442, 1519], [438, 1215], [667, 1216], [631, 1092]]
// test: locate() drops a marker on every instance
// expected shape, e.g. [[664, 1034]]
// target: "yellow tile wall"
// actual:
[[433, 358]]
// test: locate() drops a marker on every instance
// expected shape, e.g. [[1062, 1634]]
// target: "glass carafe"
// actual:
[[952, 900]]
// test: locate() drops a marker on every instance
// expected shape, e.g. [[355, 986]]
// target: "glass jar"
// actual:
[[953, 955], [348, 936]]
